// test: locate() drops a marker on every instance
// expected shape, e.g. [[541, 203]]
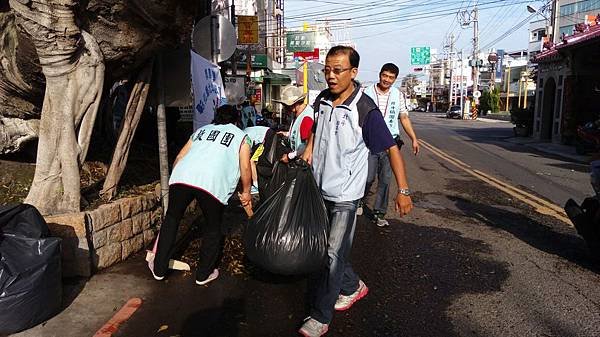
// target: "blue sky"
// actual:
[[384, 31]]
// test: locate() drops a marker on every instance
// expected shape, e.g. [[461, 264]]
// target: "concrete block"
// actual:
[[105, 216], [149, 236], [108, 255], [131, 246], [137, 223], [75, 251], [130, 207], [156, 217], [149, 201], [120, 231], [146, 220], [100, 238]]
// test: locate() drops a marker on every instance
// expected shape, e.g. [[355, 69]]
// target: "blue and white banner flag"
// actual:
[[209, 92]]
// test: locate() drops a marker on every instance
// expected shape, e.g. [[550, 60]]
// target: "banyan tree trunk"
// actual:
[[133, 113], [52, 74], [73, 65]]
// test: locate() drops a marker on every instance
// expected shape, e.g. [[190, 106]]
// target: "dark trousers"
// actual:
[[180, 197], [338, 277]]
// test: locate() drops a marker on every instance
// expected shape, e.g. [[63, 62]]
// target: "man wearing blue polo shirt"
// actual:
[[348, 125]]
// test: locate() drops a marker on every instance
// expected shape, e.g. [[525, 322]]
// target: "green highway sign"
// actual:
[[257, 60], [300, 41], [420, 55]]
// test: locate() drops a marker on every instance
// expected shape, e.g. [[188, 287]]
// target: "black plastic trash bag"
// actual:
[[288, 233], [586, 219], [30, 269], [267, 165]]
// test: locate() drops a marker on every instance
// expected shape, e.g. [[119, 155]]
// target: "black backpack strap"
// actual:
[[317, 103], [364, 106]]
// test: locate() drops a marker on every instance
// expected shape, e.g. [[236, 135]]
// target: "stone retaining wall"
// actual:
[[99, 238], [121, 228]]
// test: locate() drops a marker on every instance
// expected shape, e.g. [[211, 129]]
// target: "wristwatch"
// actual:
[[404, 191]]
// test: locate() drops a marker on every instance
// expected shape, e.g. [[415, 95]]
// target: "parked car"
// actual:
[[454, 112], [588, 138]]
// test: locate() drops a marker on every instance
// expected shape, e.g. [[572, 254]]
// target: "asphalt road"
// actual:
[[470, 260], [484, 146]]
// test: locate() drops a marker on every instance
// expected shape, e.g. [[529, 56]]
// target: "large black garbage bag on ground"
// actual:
[[288, 233], [30, 269], [586, 219]]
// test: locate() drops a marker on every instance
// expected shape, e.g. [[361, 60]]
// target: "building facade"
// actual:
[[568, 86], [537, 33], [569, 13]]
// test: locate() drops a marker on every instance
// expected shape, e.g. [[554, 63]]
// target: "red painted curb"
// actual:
[[121, 316]]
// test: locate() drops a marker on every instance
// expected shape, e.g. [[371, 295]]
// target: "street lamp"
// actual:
[[549, 23], [532, 10], [492, 59]]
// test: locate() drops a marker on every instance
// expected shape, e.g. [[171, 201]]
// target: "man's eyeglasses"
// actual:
[[336, 71]]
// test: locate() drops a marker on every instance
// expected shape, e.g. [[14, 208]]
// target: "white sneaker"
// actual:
[[345, 302], [213, 276], [381, 222], [151, 267], [313, 328]]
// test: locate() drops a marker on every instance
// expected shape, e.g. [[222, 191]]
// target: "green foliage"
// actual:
[[522, 117], [490, 100], [495, 99], [485, 101]]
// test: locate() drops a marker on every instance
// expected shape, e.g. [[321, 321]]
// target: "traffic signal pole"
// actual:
[[451, 91], [475, 71]]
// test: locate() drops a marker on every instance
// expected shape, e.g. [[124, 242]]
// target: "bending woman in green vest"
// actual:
[[207, 169]]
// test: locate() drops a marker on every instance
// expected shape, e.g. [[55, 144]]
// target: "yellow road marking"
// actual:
[[540, 205]]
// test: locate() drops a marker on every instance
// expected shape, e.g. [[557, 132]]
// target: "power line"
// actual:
[[371, 15], [499, 18], [416, 16], [509, 31], [347, 9], [513, 29], [510, 10]]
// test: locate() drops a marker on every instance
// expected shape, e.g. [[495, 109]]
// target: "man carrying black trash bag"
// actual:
[[348, 125]]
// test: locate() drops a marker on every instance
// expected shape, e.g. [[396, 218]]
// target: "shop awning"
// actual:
[[277, 79]]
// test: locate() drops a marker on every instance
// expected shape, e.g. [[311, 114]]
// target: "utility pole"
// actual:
[[508, 86], [526, 85], [462, 76], [233, 57], [553, 21], [476, 52], [468, 17], [451, 55]]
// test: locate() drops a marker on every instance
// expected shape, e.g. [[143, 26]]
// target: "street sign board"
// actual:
[[256, 60], [300, 41], [307, 55], [247, 29], [499, 65], [420, 55]]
